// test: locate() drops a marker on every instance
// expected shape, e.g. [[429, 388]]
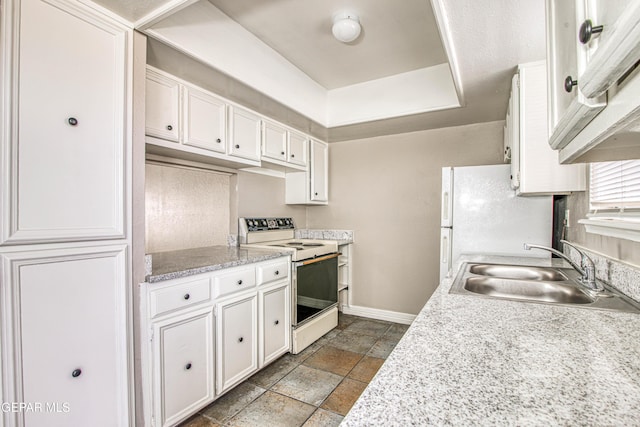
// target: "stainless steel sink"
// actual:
[[518, 272], [546, 285]]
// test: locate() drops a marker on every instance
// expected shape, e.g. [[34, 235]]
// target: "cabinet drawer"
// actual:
[[236, 281], [271, 272], [179, 296]]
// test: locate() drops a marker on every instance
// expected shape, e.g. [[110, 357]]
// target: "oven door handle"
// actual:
[[319, 259]]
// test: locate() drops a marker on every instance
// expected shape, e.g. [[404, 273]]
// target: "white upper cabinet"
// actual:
[[64, 125], [205, 121], [535, 169], [298, 144], [244, 133], [569, 109], [319, 171], [274, 141], [162, 103]]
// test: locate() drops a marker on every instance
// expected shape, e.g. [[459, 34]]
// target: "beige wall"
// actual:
[[387, 189], [185, 208], [623, 250], [263, 196]]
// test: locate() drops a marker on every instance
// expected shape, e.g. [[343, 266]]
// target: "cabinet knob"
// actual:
[[237, 146], [240, 339], [587, 30], [187, 296], [569, 83], [277, 272], [187, 366], [240, 282], [282, 153], [218, 140], [72, 121], [277, 322], [293, 155], [169, 127], [76, 373], [316, 193]]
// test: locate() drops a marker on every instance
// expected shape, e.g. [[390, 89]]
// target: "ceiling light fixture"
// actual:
[[346, 27]]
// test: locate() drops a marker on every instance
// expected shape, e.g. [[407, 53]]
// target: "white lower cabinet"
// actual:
[[209, 332], [274, 319], [184, 368], [64, 314], [237, 339]]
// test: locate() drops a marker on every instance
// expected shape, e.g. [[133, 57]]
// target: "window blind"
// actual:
[[614, 186]]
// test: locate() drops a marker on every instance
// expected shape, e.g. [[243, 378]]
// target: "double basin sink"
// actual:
[[547, 285]]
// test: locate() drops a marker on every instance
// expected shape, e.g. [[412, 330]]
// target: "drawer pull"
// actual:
[[240, 282], [277, 272], [187, 296], [587, 30], [76, 373], [188, 366], [218, 140], [240, 339], [237, 146], [569, 83], [73, 121], [277, 322], [169, 127]]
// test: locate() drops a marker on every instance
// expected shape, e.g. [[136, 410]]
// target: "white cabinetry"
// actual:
[[184, 369], [64, 124], [310, 187], [244, 133], [535, 168], [163, 109], [592, 52], [207, 333], [205, 120], [65, 312], [298, 144], [345, 269], [283, 146]]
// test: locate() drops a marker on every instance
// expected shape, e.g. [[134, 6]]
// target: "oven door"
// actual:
[[315, 287]]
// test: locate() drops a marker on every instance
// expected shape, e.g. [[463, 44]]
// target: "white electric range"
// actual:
[[314, 275]]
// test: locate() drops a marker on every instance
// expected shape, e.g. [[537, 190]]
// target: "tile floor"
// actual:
[[316, 387]]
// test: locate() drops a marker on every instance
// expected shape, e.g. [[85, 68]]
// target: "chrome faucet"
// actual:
[[586, 268]]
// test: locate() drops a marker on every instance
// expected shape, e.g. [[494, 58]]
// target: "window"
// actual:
[[614, 200]]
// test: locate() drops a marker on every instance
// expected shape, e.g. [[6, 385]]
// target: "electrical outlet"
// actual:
[[566, 218]]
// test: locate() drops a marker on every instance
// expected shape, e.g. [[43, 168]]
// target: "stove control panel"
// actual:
[[265, 224]]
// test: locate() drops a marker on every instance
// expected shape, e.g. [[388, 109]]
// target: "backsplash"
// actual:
[[622, 276], [346, 235]]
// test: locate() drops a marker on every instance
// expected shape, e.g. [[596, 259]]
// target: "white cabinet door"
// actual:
[[183, 365], [237, 340], [69, 307], [319, 171], [274, 141], [68, 149], [569, 111], [244, 134], [162, 103], [275, 308], [610, 36], [298, 144], [205, 121], [514, 131]]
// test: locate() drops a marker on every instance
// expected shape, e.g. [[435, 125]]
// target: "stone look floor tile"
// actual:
[[274, 372], [307, 384], [273, 410], [322, 418], [345, 320], [369, 327], [366, 369], [233, 402], [382, 348], [200, 421], [334, 360], [353, 341], [396, 330], [344, 396]]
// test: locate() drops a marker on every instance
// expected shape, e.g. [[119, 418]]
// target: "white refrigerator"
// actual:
[[481, 214]]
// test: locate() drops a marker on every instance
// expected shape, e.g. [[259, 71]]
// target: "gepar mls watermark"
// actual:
[[48, 407]]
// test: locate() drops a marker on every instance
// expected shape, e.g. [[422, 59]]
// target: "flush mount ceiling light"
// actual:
[[346, 27]]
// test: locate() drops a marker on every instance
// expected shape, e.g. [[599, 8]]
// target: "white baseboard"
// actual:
[[376, 313]]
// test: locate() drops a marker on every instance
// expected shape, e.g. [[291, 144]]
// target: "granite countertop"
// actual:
[[187, 262], [468, 360]]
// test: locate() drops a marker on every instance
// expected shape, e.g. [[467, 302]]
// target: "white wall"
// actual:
[[387, 189]]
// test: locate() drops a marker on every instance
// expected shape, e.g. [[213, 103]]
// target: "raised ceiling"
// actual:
[[418, 63]]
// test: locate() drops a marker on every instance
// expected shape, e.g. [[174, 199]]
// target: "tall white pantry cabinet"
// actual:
[[65, 238]]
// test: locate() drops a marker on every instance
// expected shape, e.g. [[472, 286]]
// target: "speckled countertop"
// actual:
[[468, 361], [187, 262]]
